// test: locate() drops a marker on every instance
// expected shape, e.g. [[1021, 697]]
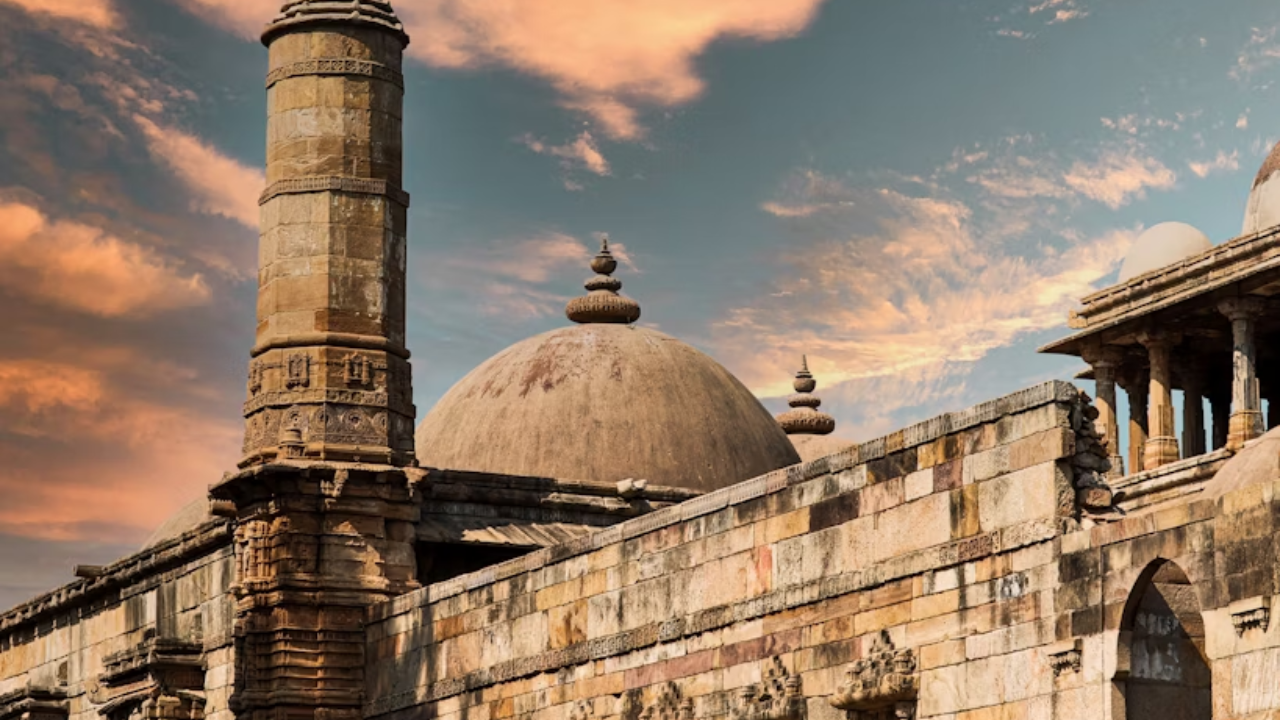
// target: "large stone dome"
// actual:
[[1263, 209], [1257, 463], [605, 402], [1162, 245]]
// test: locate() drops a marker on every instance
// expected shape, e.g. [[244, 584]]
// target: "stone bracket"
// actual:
[[884, 680], [34, 702], [1251, 614], [1065, 657], [776, 697]]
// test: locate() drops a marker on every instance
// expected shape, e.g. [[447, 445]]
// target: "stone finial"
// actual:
[[372, 13], [603, 304], [804, 418]]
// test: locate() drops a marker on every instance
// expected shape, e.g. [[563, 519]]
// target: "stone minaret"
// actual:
[[324, 501], [329, 378]]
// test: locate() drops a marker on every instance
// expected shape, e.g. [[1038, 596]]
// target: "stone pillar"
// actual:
[[329, 376], [1162, 441], [1246, 402], [1106, 362], [1193, 409], [1137, 388]]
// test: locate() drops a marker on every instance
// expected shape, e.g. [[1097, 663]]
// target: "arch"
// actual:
[[1161, 669]]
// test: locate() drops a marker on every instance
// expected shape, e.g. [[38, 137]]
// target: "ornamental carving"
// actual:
[[583, 710], [161, 679], [1067, 661], [334, 183], [776, 697], [33, 702], [255, 377], [880, 686], [336, 66], [1255, 619], [298, 371], [669, 705], [357, 370]]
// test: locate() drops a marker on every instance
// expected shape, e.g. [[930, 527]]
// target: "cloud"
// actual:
[[1222, 161], [219, 185], [607, 59], [78, 266], [808, 192], [96, 13], [1060, 11], [1242, 123], [1259, 52], [906, 293], [1118, 176], [581, 152]]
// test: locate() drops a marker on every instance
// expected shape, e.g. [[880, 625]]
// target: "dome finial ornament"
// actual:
[[603, 304], [804, 418]]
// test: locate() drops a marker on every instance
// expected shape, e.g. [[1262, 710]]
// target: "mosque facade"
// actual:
[[602, 523]]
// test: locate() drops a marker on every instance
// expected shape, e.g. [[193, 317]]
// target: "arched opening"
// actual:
[[1162, 672]]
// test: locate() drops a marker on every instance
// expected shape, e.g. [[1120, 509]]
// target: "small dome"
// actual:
[[1162, 245], [1258, 462], [605, 402], [191, 516], [1263, 209]]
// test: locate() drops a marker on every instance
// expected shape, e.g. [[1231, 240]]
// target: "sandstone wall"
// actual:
[[63, 649], [944, 535]]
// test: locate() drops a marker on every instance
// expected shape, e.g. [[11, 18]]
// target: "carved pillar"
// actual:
[[1246, 403], [1106, 363], [1193, 409], [1136, 387], [1162, 441], [329, 377]]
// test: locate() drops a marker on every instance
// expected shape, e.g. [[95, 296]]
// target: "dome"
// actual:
[[605, 402], [1263, 209], [1162, 245], [1257, 462], [191, 516]]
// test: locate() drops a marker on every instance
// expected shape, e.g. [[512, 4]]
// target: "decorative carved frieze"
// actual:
[[336, 66], [669, 705], [334, 183], [776, 697], [881, 685], [255, 377]]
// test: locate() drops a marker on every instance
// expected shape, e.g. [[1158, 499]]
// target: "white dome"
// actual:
[[1263, 210], [1162, 245]]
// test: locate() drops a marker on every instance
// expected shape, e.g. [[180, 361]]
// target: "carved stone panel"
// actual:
[[776, 697], [669, 705], [880, 686]]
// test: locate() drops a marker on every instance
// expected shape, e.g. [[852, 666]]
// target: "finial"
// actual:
[[603, 304], [295, 14], [803, 418]]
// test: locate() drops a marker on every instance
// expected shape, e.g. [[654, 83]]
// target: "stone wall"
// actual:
[[940, 538], [149, 636]]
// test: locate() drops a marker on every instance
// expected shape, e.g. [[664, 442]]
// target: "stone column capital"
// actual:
[[1242, 308], [1100, 355], [1152, 339]]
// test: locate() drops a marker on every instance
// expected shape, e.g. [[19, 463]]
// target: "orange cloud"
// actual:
[[83, 268], [581, 152], [1118, 175], [98, 13], [606, 58], [219, 185], [901, 304]]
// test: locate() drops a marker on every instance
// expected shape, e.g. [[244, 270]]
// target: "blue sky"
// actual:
[[913, 193]]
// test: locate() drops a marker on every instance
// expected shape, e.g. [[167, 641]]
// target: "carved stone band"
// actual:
[[334, 183], [336, 66]]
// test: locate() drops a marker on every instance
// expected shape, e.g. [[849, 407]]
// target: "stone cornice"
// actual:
[[130, 570]]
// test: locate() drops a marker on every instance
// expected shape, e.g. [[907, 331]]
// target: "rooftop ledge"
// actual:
[[1215, 268], [1150, 487]]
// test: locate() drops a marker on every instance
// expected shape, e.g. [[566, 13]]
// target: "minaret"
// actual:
[[804, 418], [329, 378], [325, 502]]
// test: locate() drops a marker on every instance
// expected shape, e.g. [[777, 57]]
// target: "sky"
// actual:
[[913, 193]]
